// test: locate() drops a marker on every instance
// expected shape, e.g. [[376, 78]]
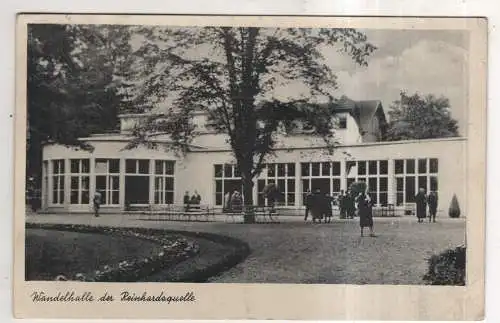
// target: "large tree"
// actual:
[[232, 74], [421, 117], [72, 90]]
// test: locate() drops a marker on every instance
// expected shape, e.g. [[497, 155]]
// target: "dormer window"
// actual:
[[342, 123]]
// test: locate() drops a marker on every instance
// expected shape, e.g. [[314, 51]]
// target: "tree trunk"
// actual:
[[249, 216]]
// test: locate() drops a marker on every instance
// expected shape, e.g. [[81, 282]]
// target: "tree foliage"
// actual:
[[421, 117], [72, 90], [232, 74]]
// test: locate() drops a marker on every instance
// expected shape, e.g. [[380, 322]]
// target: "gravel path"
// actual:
[[297, 252]]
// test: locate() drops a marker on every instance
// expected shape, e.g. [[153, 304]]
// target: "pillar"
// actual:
[[121, 193], [298, 186], [67, 183], [92, 180], [391, 183], [343, 175], [151, 182]]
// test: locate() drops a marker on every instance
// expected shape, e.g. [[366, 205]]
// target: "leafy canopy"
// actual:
[[421, 117], [234, 74]]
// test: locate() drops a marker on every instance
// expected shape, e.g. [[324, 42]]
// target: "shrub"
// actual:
[[454, 210], [447, 268]]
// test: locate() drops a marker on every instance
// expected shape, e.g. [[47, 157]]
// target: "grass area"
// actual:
[[50, 252]]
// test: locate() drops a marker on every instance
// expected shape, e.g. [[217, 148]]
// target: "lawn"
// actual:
[[50, 253]]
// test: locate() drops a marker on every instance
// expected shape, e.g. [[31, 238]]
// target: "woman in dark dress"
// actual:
[[421, 201], [432, 201], [365, 206]]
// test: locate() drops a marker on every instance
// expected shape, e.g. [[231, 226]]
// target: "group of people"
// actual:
[[321, 207], [194, 200], [233, 202], [423, 201]]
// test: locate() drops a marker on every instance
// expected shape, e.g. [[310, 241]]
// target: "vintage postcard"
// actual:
[[250, 167]]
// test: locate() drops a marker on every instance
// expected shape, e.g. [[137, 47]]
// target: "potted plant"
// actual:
[[454, 210]]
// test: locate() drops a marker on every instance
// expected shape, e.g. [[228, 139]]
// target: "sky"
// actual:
[[422, 61], [427, 62]]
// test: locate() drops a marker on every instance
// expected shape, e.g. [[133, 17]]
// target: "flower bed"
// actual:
[[176, 248]]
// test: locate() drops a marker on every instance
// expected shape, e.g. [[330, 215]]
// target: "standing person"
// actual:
[[421, 201], [97, 203], [342, 205], [328, 200], [350, 200], [307, 203], [186, 201], [227, 202], [197, 198], [317, 206], [236, 202], [432, 201], [365, 205]]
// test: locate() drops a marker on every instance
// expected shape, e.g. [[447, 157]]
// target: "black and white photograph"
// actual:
[[247, 154]]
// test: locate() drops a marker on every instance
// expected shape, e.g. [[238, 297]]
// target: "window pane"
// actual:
[[74, 182], [372, 167], [372, 185], [383, 184], [169, 183], [74, 197], [399, 166], [410, 166], [350, 181], [157, 198], [218, 198], [290, 170], [115, 197], [101, 166], [158, 167], [271, 170], [85, 166], [383, 167], [218, 186], [399, 198], [158, 184], [281, 185], [144, 166], [336, 184], [399, 184], [361, 168], [169, 197], [291, 199], [281, 170], [114, 166], [100, 182], [55, 167], [130, 166], [260, 185], [434, 184], [374, 198], [169, 167], [116, 182], [85, 183], [290, 185], [422, 165], [351, 169], [315, 169], [54, 197], [85, 197], [237, 172], [304, 169], [383, 199], [75, 165], [422, 182], [433, 167], [228, 170], [336, 168], [342, 123], [410, 189], [325, 169], [218, 171]]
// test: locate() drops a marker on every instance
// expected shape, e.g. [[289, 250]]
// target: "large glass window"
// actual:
[[80, 181], [108, 180], [137, 181], [323, 176], [416, 174], [58, 172], [227, 180], [374, 173], [164, 182], [281, 174]]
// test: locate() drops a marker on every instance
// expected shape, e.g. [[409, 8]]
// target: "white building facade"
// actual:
[[394, 171]]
